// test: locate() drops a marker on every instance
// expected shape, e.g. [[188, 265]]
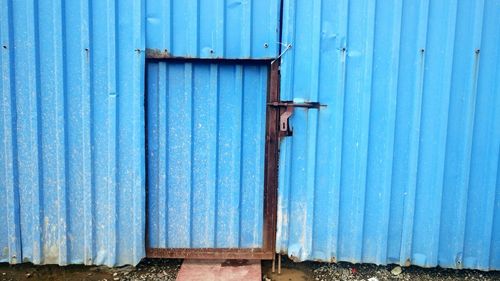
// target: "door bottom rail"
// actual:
[[210, 253]]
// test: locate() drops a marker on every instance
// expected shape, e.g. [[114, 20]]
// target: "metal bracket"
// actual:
[[286, 110]]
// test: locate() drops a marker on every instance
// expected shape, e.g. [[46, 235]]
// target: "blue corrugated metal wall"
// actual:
[[206, 133], [234, 29], [402, 163], [72, 131]]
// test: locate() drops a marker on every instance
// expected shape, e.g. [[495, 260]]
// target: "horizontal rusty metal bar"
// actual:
[[315, 105], [155, 54], [210, 253]]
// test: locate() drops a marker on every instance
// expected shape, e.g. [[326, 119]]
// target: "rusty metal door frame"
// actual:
[[267, 252]]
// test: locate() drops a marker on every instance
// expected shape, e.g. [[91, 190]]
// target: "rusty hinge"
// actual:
[[286, 111]]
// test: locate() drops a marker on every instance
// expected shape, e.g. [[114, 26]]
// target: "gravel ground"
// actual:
[[374, 273], [315, 271], [156, 269], [148, 269]]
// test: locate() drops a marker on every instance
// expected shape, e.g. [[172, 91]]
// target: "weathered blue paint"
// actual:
[[234, 29], [402, 164], [72, 132], [206, 134]]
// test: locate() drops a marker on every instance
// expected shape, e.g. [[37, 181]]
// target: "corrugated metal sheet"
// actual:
[[206, 134], [402, 163], [237, 29], [72, 132]]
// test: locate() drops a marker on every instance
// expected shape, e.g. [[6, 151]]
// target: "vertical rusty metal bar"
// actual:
[[271, 161]]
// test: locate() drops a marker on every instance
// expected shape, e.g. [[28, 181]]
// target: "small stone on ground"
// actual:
[[397, 270]]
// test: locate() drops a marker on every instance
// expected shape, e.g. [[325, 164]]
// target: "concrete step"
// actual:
[[220, 270]]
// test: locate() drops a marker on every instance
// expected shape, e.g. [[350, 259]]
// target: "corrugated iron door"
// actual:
[[400, 163], [206, 124]]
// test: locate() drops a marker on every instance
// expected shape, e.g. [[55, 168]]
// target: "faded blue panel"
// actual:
[[206, 134], [72, 131], [10, 240], [236, 29], [401, 164]]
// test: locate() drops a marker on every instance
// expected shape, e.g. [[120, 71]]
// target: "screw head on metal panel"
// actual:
[[266, 45]]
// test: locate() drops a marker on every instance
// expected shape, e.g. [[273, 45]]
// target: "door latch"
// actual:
[[285, 112]]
